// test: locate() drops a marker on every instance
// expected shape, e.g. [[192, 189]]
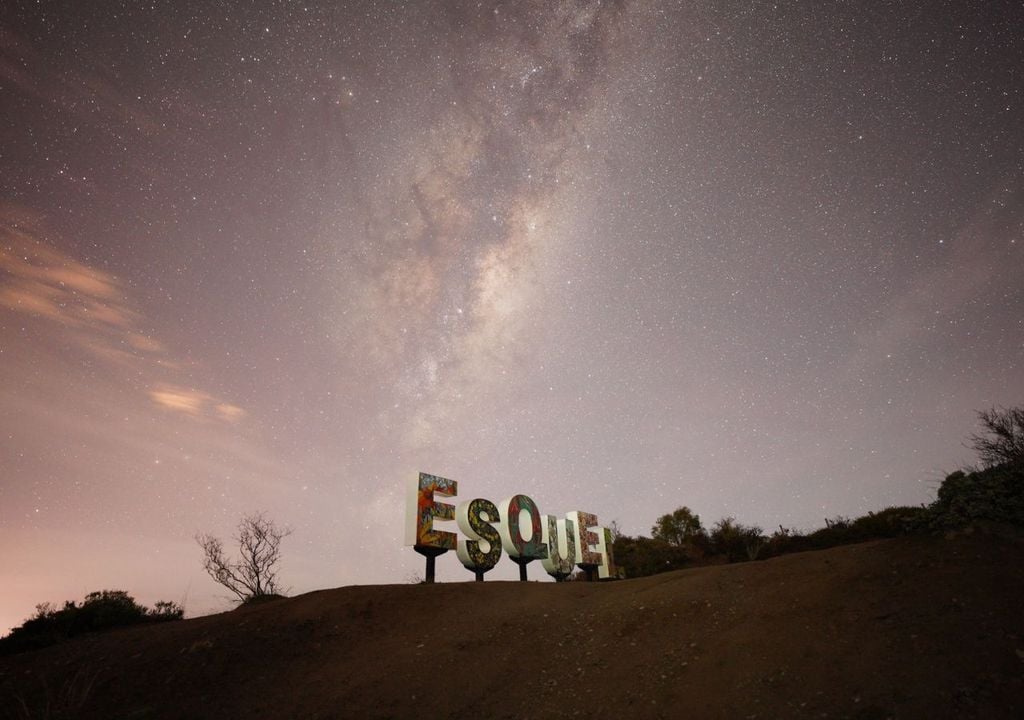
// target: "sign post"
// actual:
[[431, 554]]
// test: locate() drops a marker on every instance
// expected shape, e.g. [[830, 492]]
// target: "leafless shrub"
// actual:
[[259, 547], [1002, 440]]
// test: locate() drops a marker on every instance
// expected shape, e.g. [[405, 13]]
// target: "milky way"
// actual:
[[760, 259]]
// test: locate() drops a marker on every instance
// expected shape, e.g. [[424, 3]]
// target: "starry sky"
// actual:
[[763, 259]]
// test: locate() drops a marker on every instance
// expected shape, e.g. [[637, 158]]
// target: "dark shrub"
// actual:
[[101, 610], [995, 495], [736, 541], [641, 555]]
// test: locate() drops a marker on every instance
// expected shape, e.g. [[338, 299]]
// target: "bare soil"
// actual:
[[917, 627]]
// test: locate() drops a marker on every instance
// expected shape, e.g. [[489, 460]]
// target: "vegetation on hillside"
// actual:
[[991, 493], [101, 610]]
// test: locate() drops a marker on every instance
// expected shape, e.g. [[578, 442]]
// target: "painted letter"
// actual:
[[470, 517], [586, 539], [518, 542], [421, 509], [607, 567], [559, 535]]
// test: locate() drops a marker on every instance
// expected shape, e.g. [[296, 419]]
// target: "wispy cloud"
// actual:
[[91, 309], [196, 403], [40, 280]]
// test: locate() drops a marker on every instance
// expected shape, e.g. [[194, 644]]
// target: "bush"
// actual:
[[678, 527], [890, 522], [101, 610], [736, 541], [639, 556], [994, 495]]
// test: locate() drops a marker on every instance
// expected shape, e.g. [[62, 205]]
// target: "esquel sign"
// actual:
[[515, 525]]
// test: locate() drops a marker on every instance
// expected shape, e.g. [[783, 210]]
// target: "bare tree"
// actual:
[[1003, 438], [259, 544]]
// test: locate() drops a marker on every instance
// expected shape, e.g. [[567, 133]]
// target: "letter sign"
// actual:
[[474, 519], [560, 537], [425, 509], [519, 541], [515, 525]]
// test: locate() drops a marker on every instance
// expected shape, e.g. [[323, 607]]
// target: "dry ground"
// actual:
[[922, 627]]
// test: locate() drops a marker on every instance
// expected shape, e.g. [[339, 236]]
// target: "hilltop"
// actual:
[[911, 627]]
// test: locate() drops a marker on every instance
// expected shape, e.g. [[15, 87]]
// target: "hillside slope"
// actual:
[[905, 628]]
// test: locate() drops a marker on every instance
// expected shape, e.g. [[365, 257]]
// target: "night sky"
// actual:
[[761, 259]]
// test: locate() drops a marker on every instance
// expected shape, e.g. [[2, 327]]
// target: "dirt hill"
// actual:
[[907, 628]]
